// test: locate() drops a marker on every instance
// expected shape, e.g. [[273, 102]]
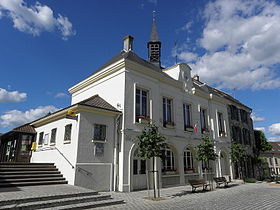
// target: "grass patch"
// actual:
[[250, 180]]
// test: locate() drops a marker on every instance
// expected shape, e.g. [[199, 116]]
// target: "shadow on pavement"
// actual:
[[9, 189]]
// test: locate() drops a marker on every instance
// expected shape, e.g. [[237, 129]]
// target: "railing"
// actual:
[[53, 147], [65, 157]]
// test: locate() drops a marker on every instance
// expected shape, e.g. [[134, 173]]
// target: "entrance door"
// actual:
[[24, 154], [139, 172]]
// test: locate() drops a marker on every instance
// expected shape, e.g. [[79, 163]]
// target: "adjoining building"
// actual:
[[273, 159], [15, 145], [97, 146]]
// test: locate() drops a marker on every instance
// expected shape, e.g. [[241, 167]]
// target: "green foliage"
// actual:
[[237, 153], [260, 160], [151, 142], [261, 142], [205, 151], [250, 180]]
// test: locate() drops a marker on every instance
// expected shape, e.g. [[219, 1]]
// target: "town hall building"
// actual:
[[96, 147]]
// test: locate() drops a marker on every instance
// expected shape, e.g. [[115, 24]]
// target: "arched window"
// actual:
[[188, 161], [168, 162]]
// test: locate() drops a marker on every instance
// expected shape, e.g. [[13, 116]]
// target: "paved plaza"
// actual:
[[238, 196], [242, 196]]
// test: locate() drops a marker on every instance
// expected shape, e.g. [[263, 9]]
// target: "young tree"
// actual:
[[261, 142], [238, 155], [151, 144], [262, 145], [206, 152]]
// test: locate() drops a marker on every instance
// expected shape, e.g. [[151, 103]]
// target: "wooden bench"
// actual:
[[195, 183], [221, 180]]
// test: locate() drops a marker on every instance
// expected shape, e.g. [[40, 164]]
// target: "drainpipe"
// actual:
[[117, 123]]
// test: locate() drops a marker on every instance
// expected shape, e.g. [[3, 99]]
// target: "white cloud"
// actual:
[[14, 118], [260, 129], [240, 40], [35, 19], [274, 139], [256, 118], [274, 129], [153, 2], [11, 96], [61, 95]]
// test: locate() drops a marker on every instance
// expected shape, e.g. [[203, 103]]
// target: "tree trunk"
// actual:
[[154, 178]]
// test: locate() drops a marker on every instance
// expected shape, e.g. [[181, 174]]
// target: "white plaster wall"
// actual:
[[93, 171], [48, 154], [110, 88]]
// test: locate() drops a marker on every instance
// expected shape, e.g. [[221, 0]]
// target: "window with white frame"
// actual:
[[168, 162], [98, 149], [141, 105], [187, 116], [99, 133], [221, 124], [67, 132], [203, 119], [53, 136], [41, 138], [46, 139], [188, 160], [167, 112]]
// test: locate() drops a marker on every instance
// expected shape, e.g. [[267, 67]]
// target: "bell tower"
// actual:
[[154, 45]]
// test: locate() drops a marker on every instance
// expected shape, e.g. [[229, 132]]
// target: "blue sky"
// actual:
[[48, 46]]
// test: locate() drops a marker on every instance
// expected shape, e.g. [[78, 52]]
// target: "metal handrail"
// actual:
[[54, 147], [64, 157]]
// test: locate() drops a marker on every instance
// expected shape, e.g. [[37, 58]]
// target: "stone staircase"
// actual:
[[42, 186], [81, 200], [28, 174]]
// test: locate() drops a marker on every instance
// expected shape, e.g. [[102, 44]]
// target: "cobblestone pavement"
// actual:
[[244, 196], [38, 191]]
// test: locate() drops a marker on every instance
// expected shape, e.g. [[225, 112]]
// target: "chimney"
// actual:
[[128, 43]]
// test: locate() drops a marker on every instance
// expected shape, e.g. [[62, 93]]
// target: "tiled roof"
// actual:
[[27, 128], [130, 56], [219, 93], [97, 102], [275, 148]]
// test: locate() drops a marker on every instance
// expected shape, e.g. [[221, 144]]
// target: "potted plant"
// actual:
[[169, 171], [169, 124], [189, 128], [222, 133], [190, 170], [144, 119], [205, 130]]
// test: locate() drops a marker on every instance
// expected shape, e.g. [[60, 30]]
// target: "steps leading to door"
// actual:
[[71, 200], [28, 174]]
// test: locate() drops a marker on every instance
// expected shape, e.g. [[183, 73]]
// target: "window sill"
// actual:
[[67, 141], [191, 174], [52, 144], [170, 175], [98, 141], [144, 121]]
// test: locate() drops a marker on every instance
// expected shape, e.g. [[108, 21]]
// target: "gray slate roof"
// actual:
[[132, 57], [97, 102]]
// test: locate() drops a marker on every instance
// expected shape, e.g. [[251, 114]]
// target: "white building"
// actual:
[[103, 149]]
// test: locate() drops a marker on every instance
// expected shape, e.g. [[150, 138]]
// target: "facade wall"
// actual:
[[110, 88], [177, 137], [94, 170], [48, 152]]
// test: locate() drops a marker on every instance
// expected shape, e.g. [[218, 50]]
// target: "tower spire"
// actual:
[[154, 33], [154, 45]]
